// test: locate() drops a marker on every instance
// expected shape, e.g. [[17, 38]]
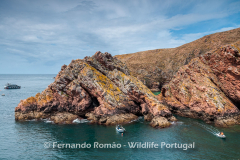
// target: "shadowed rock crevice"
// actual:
[[164, 92], [95, 102], [139, 109], [237, 104]]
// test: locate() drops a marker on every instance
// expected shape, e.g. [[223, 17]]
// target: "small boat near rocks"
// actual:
[[220, 135], [120, 128]]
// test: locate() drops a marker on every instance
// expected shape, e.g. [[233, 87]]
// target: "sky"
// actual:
[[39, 36]]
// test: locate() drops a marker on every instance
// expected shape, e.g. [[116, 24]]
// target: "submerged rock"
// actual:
[[100, 88], [207, 88]]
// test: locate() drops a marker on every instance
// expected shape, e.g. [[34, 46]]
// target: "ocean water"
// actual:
[[157, 93], [35, 139]]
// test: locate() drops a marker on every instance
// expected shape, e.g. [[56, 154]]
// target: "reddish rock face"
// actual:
[[207, 87], [99, 88], [225, 63]]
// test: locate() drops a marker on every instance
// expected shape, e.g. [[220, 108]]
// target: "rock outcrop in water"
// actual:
[[208, 87], [100, 88]]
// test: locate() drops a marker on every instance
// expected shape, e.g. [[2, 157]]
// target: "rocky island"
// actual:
[[99, 88], [198, 80]]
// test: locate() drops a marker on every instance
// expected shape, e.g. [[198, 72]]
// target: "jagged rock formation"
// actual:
[[157, 67], [208, 87], [99, 88]]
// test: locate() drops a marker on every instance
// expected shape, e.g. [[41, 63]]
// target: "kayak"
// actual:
[[220, 136]]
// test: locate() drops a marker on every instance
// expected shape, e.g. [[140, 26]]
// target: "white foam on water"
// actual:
[[47, 121], [80, 121], [86, 121], [209, 128], [177, 123], [137, 120], [76, 121], [32, 120]]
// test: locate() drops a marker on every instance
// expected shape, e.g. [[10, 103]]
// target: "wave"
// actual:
[[139, 119], [80, 121], [208, 128], [47, 121], [31, 120], [177, 122]]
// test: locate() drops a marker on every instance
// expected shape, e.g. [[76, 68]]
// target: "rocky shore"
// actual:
[[99, 88]]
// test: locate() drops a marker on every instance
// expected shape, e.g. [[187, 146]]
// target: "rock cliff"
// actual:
[[156, 68], [99, 88], [208, 87]]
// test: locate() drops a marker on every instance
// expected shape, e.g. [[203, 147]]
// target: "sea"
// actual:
[[44, 140]]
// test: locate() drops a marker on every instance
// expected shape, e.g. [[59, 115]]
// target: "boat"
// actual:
[[11, 86], [3, 94], [120, 128], [220, 136]]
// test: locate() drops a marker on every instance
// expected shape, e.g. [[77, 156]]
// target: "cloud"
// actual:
[[49, 32]]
